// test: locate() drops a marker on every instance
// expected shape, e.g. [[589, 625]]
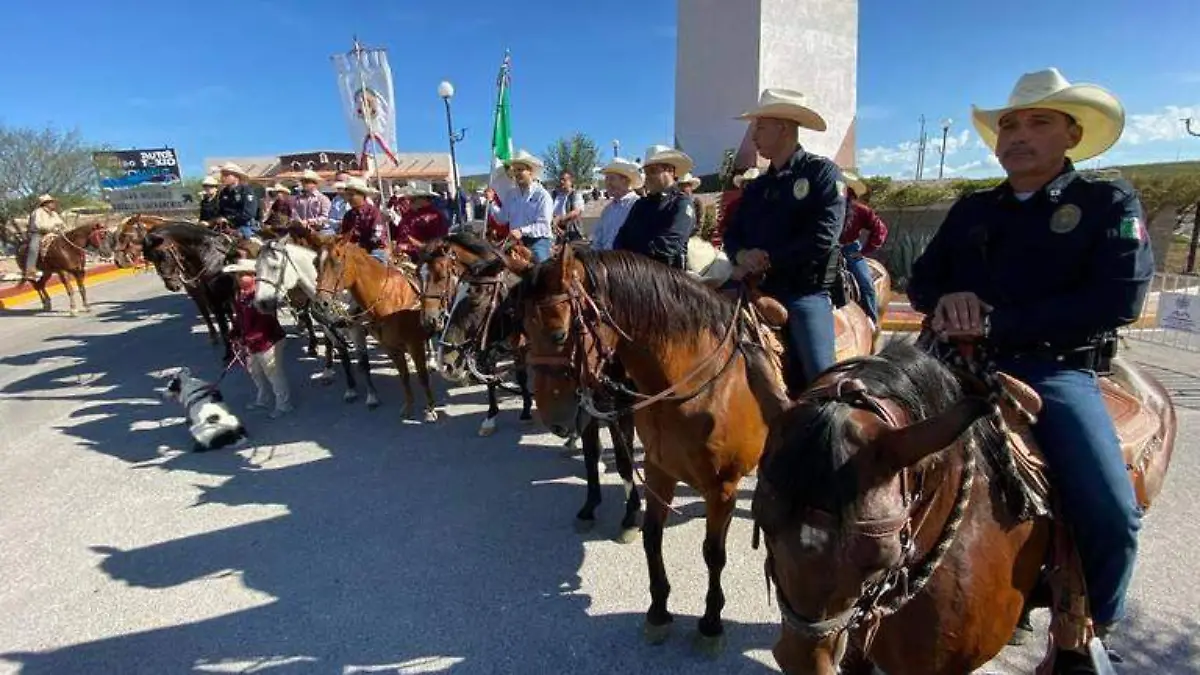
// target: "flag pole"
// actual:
[[500, 89]]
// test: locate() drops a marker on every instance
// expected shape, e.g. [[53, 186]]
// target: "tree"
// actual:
[[577, 154], [34, 162]]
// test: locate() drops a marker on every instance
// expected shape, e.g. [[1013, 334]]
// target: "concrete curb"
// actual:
[[11, 298]]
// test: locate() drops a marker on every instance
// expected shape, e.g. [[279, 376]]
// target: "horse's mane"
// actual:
[[211, 248], [491, 260], [652, 302], [810, 467]]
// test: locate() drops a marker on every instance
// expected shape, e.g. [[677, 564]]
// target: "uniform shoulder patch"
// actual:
[[1132, 228], [800, 188]]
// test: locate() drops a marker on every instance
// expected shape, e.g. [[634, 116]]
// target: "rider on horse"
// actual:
[[44, 221], [861, 218], [210, 208], [364, 223], [237, 203], [788, 222], [528, 209], [420, 221], [1043, 269], [312, 207], [621, 178], [659, 224]]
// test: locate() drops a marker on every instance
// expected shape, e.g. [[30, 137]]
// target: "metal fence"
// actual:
[[1171, 317]]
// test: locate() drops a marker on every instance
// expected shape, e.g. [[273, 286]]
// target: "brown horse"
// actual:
[[898, 541], [65, 254], [130, 236], [390, 301], [704, 390]]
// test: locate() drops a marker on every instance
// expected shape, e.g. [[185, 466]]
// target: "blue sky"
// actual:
[[250, 77]]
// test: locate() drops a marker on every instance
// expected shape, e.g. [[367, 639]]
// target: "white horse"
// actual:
[[280, 269]]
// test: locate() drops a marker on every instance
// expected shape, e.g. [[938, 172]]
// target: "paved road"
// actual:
[[348, 541]]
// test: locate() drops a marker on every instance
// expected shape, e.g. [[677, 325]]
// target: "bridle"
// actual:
[[479, 341], [587, 357], [172, 250], [889, 591], [332, 294]]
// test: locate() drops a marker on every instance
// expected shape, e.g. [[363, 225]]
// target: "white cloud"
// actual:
[[1164, 125]]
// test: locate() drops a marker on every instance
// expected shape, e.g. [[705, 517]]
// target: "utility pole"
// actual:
[[1192, 245], [945, 132], [921, 150]]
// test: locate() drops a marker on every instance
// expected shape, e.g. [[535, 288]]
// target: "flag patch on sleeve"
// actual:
[[1132, 228]]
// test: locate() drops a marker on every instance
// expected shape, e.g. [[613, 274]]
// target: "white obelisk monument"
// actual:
[[730, 50]]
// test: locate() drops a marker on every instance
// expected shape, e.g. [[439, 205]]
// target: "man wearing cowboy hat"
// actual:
[[237, 203], [338, 206], [861, 219], [528, 209], [688, 185], [312, 207], [363, 223], [1045, 268], [660, 224], [621, 178], [568, 208], [283, 206], [786, 227], [210, 208], [421, 221], [44, 220]]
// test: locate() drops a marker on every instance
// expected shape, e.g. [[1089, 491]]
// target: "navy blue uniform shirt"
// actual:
[[238, 205], [659, 226], [1068, 264], [795, 214]]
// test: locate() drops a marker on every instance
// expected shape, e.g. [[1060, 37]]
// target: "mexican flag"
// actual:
[[502, 145]]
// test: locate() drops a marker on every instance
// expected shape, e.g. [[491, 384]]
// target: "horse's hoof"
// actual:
[[350, 396], [583, 526], [488, 427], [628, 535], [711, 646], [372, 401], [656, 635], [431, 416]]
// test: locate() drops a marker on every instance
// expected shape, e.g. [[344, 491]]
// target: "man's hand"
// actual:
[[754, 260], [960, 315], [514, 234]]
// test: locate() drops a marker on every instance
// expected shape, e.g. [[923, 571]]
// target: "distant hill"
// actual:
[[1159, 169]]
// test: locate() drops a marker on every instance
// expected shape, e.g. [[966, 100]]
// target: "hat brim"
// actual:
[[681, 163], [1099, 114], [533, 165], [237, 172], [368, 190], [805, 117], [855, 183], [240, 267], [635, 177]]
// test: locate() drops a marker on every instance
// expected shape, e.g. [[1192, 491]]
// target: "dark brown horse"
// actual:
[[66, 254], [389, 300], [130, 236], [900, 533], [704, 393]]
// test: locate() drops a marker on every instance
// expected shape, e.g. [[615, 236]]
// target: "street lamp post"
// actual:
[[616, 148], [446, 92], [945, 132]]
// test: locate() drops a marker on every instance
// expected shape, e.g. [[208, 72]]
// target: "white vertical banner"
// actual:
[[368, 100]]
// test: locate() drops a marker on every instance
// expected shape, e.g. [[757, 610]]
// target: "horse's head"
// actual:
[[336, 270], [841, 502], [279, 268], [101, 239], [164, 255]]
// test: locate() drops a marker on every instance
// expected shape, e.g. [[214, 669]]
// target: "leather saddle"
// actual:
[[854, 334]]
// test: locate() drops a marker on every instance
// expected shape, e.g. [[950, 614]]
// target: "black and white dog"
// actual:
[[210, 421]]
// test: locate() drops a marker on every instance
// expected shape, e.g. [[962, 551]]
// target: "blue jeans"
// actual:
[[812, 344], [540, 247], [248, 230], [862, 274], [1088, 472]]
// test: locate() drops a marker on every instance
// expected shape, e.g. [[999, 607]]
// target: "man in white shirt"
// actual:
[[338, 206], [568, 208], [621, 178], [528, 210], [44, 220]]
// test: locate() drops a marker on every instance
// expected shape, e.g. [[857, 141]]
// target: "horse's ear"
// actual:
[[900, 448], [568, 264]]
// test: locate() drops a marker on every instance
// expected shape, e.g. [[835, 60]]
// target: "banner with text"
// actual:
[[141, 180]]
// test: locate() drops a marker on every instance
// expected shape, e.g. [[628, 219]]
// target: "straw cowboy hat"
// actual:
[[688, 178], [665, 154], [624, 167], [531, 161], [1097, 111], [855, 183], [210, 181], [46, 199], [746, 176], [339, 185], [785, 104], [242, 266], [235, 169], [417, 193], [706, 263], [278, 188], [359, 185], [310, 176]]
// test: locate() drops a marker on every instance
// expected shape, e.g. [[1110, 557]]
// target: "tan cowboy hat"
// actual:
[[242, 266], [210, 181], [278, 188], [359, 185], [1097, 111], [665, 154], [628, 169], [310, 176], [46, 199], [339, 185], [746, 176], [688, 178], [417, 193], [531, 161], [786, 104], [236, 169], [855, 183]]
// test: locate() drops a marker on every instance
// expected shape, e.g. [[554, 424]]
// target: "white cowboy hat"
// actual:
[[339, 186], [359, 185], [242, 266], [746, 176], [689, 178], [210, 181], [44, 199], [706, 263], [628, 169], [854, 182], [230, 167], [278, 188], [1097, 111], [785, 104], [417, 193], [310, 176], [531, 161], [665, 154]]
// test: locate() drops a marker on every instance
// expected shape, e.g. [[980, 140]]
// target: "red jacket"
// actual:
[[257, 331], [422, 224], [365, 226], [861, 217]]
